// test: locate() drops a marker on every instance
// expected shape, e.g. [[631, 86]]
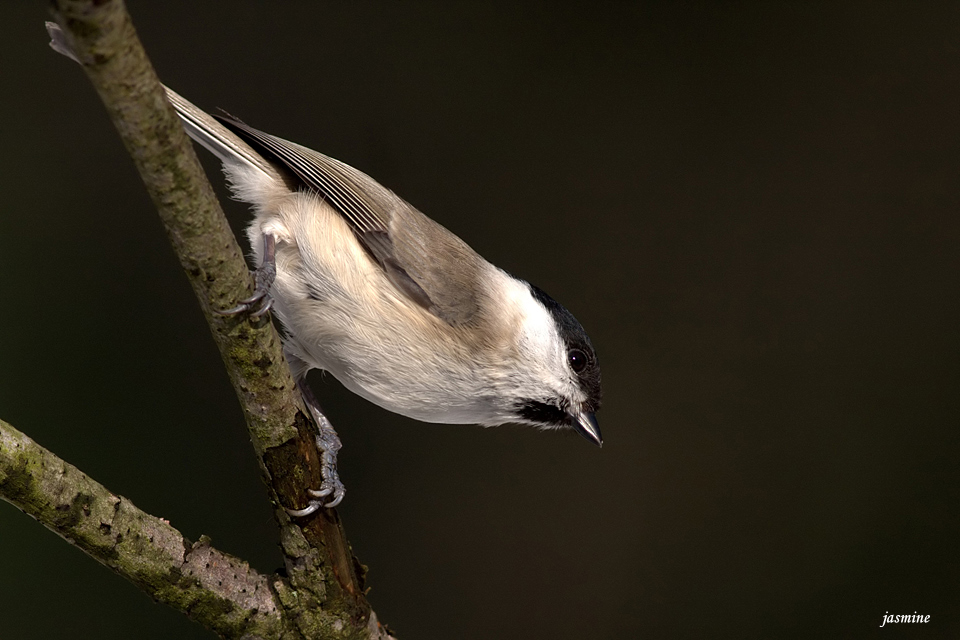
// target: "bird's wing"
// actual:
[[423, 260]]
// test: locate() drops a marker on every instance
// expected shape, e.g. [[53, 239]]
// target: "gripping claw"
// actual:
[[328, 444], [260, 302]]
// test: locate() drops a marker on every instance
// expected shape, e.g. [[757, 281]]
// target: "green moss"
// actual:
[[18, 483]]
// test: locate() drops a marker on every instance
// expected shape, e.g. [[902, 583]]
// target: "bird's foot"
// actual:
[[331, 490], [260, 302]]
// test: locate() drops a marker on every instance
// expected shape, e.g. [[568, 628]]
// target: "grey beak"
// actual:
[[586, 425]]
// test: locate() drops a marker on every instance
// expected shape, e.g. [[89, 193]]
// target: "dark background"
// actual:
[[753, 209]]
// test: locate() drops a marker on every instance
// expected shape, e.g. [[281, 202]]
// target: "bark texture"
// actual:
[[322, 595]]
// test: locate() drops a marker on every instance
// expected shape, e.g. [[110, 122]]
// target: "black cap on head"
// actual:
[[580, 354], [582, 360]]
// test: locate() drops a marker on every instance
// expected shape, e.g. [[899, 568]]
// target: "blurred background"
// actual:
[[752, 208]]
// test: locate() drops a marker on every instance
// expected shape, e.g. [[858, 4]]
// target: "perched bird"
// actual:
[[400, 310]]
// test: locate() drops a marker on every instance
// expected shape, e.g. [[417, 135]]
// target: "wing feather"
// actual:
[[424, 261]]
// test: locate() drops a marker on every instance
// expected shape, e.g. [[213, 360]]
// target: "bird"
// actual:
[[392, 304]]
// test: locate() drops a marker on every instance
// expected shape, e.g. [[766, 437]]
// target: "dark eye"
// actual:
[[577, 359]]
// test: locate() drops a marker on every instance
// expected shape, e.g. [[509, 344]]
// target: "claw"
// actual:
[[257, 304], [299, 513], [314, 505], [263, 309], [245, 307], [334, 487], [240, 308], [327, 444], [331, 485], [260, 302]]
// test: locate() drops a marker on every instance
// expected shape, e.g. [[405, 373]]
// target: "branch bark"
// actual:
[[217, 590], [322, 595]]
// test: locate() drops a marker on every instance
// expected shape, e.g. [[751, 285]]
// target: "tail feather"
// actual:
[[215, 137], [199, 125]]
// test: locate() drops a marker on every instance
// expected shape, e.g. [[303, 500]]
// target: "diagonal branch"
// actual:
[[217, 590], [322, 594]]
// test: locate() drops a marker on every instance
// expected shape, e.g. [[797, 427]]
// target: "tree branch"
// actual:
[[322, 595], [217, 590]]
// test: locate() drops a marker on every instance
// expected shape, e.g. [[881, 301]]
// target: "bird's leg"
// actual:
[[261, 301], [328, 444]]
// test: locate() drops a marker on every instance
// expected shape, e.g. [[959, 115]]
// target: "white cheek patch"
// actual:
[[541, 347], [539, 342]]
